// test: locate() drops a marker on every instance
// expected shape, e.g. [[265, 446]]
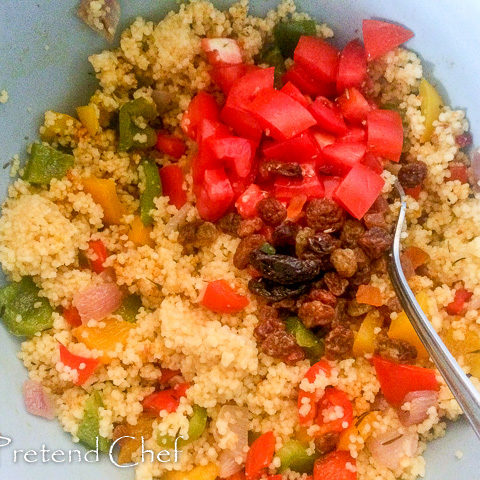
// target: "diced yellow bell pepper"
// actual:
[[365, 337], [139, 233], [362, 427], [129, 446], [104, 338], [469, 347], [57, 124], [402, 329], [104, 193], [202, 472], [430, 107], [89, 118]]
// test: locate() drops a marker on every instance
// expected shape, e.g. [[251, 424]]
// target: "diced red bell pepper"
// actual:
[[381, 37], [224, 76], [99, 255], [311, 398], [301, 149], [354, 134], [322, 138], [246, 203], [373, 162], [338, 465], [221, 51], [353, 105], [72, 316], [170, 145], [457, 306], [310, 185], [280, 116], [260, 456], [171, 177], [385, 134], [202, 107], [292, 91], [318, 58], [333, 397], [330, 184], [301, 79], [235, 153], [414, 192], [396, 380], [168, 400], [359, 190], [458, 172], [352, 66], [83, 365], [339, 158], [328, 116], [167, 375], [220, 297]]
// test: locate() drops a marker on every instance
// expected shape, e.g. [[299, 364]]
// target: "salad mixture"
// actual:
[[201, 251]]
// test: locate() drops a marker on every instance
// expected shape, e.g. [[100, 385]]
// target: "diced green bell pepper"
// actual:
[[152, 188], [268, 249], [46, 163], [293, 455], [287, 34], [129, 132], [23, 311], [273, 56], [313, 346], [129, 308], [89, 428]]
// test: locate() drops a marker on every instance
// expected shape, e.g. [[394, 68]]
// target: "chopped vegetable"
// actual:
[[99, 255], [458, 172], [46, 163], [295, 207], [23, 311], [170, 145], [292, 91], [202, 472], [128, 446], [103, 192], [381, 37], [97, 301], [338, 465], [84, 366], [305, 338], [287, 34], [196, 425], [171, 177], [220, 297], [293, 455], [332, 398], [89, 429], [268, 249], [363, 427], [130, 134], [365, 337], [354, 106], [310, 185], [458, 305], [303, 148], [273, 57], [222, 51], [129, 308], [37, 401], [72, 316], [306, 84], [385, 134], [151, 189], [234, 153], [259, 456], [60, 125], [339, 158], [139, 233], [215, 196], [328, 116], [369, 295], [352, 66], [165, 399], [396, 380], [89, 117], [430, 107], [417, 256], [246, 203], [202, 107]]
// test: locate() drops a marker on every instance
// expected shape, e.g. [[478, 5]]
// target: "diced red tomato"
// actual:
[[220, 297], [246, 203], [171, 177], [302, 148], [353, 105], [373, 162], [235, 153], [352, 66], [83, 365], [242, 122], [328, 116], [396, 380], [339, 465], [359, 190], [458, 172], [211, 128], [414, 192], [99, 255], [280, 115], [202, 107], [311, 398], [221, 51], [260, 456], [457, 306], [72, 316], [354, 134], [330, 184], [170, 145], [301, 79], [292, 91], [385, 134], [310, 185], [215, 195], [318, 58], [168, 400], [332, 398], [322, 138], [381, 37], [224, 76], [167, 375], [339, 158]]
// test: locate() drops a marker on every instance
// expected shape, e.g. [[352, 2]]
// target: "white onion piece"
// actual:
[[178, 219], [420, 401], [106, 23], [380, 403], [237, 419], [37, 401], [391, 447], [97, 301]]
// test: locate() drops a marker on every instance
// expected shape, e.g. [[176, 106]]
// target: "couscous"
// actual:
[[200, 254]]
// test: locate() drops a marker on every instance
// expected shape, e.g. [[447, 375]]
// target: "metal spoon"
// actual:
[[463, 390]]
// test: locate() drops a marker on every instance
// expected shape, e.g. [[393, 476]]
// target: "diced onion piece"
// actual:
[[97, 301], [391, 447], [419, 403], [37, 400]]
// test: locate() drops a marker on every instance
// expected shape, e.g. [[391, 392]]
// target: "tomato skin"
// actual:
[[385, 134], [330, 184], [100, 253], [310, 185], [354, 134], [381, 37], [307, 85], [396, 380], [72, 316], [259, 456], [235, 153], [167, 375], [168, 400], [333, 397], [353, 106], [74, 361], [246, 203], [352, 66], [224, 76], [328, 116], [322, 138], [214, 196], [373, 162], [457, 306], [334, 467], [339, 158], [171, 177], [302, 148], [170, 145], [220, 297], [202, 107], [292, 91]]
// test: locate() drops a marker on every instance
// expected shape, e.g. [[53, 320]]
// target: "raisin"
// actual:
[[322, 295], [324, 215], [355, 309], [282, 345], [206, 234], [316, 313], [197, 234], [344, 261], [376, 219], [380, 205], [339, 343], [412, 174], [270, 169], [249, 226], [335, 283], [271, 211], [273, 292], [375, 242], [285, 234], [322, 243], [229, 223], [396, 350], [327, 443], [247, 245], [351, 232]]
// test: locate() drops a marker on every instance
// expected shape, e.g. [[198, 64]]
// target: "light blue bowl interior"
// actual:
[[43, 65]]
